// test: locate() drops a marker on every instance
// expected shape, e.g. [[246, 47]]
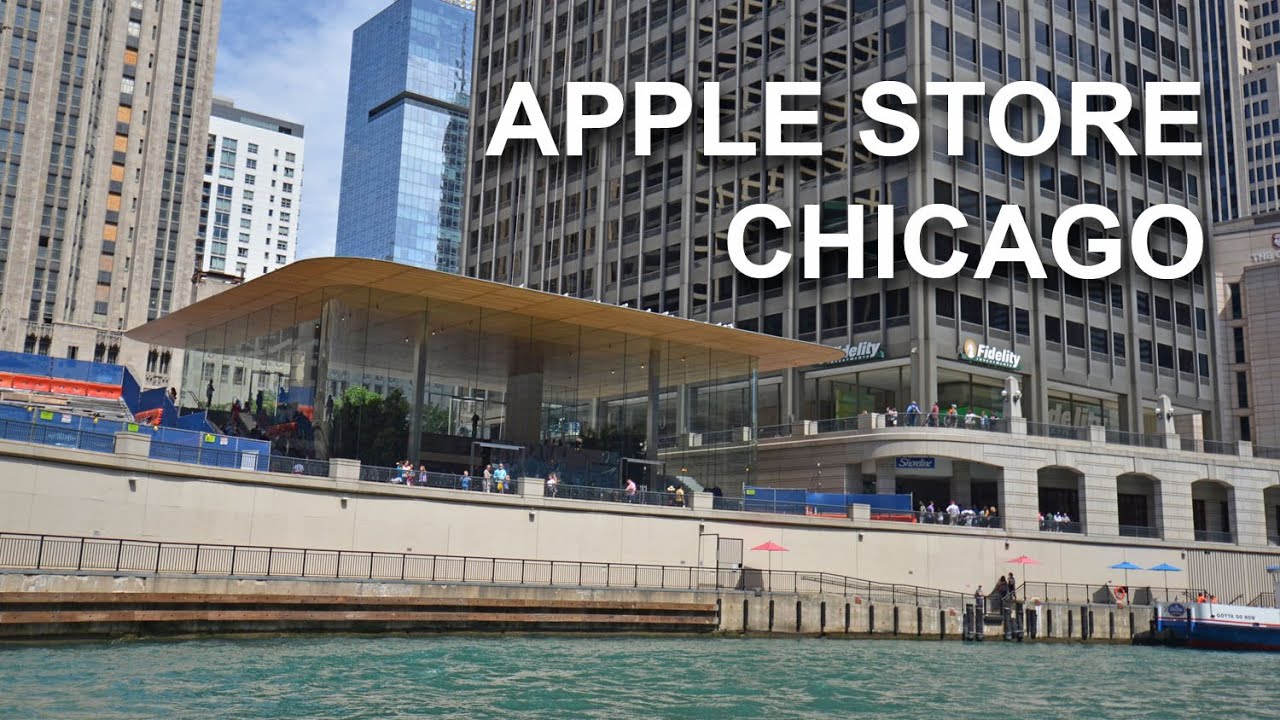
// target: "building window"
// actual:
[[253, 149], [72, 352], [1237, 309], [1237, 337], [1242, 390], [1246, 432]]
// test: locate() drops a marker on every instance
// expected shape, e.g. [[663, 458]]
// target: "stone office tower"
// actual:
[[651, 231], [102, 135]]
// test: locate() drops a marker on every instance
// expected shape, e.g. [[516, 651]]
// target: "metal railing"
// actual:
[[1048, 524], [299, 466], [1212, 447], [1217, 536], [203, 455], [59, 553], [969, 519], [1063, 432], [1123, 437], [1075, 593], [1139, 531], [1265, 600], [42, 434]]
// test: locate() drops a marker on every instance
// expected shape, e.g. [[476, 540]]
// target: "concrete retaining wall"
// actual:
[[58, 491]]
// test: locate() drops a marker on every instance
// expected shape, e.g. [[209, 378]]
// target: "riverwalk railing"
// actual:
[[1079, 593], [60, 553]]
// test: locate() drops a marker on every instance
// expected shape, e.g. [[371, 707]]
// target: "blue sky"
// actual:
[[289, 59]]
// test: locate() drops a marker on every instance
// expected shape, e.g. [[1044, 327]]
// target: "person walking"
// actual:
[[631, 490], [1013, 587], [933, 416]]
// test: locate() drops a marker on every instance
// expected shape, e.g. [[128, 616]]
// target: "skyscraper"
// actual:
[[404, 159], [1242, 103], [652, 231], [101, 139], [252, 193]]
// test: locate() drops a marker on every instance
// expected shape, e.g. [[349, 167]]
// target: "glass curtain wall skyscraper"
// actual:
[[652, 231], [404, 159]]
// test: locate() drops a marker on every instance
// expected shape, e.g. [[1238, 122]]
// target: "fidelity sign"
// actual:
[[860, 352], [975, 352]]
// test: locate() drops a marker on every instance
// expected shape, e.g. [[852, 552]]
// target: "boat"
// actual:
[[1211, 625]]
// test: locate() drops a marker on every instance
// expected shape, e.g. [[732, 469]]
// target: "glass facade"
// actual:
[[380, 376], [404, 158]]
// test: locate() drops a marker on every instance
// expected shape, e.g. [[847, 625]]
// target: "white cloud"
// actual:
[[291, 60]]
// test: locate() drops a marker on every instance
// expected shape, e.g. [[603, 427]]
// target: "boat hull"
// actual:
[[1217, 627]]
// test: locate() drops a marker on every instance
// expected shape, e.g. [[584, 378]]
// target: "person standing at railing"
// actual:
[[631, 490], [933, 416], [679, 496], [553, 484], [500, 477], [487, 483], [913, 414], [953, 416], [891, 416], [465, 481]]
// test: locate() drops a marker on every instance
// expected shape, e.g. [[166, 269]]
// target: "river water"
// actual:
[[634, 677]]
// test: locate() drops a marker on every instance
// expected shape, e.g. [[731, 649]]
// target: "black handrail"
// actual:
[[26, 551]]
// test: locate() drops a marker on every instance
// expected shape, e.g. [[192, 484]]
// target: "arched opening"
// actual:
[[1213, 511], [1138, 505], [1059, 490], [1271, 502], [937, 481]]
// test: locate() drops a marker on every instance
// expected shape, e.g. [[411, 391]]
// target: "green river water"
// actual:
[[628, 677]]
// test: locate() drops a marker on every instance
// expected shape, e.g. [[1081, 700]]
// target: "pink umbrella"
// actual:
[[770, 547], [1024, 561]]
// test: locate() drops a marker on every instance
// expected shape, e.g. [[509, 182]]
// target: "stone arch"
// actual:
[[1059, 490], [1271, 507], [1213, 510], [1139, 505], [939, 473]]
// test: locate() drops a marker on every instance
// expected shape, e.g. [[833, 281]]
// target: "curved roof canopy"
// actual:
[[297, 284]]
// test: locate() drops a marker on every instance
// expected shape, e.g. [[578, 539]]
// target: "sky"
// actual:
[[289, 59]]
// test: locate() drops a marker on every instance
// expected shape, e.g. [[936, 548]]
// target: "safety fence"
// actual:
[[58, 553]]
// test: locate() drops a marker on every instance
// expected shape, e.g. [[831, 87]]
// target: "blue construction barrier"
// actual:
[[758, 499], [45, 366]]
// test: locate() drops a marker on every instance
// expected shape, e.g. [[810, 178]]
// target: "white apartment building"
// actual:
[[252, 198]]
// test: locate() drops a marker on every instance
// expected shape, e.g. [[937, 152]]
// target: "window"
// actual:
[[290, 157], [1052, 329], [971, 309], [1237, 310], [835, 314], [866, 309], [1242, 390], [945, 302], [1246, 433], [897, 306], [998, 315], [1237, 338], [1118, 346], [1075, 334], [1164, 356], [1144, 352], [253, 149], [1098, 341]]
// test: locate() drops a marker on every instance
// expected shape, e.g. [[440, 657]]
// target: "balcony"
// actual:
[[1215, 536], [1139, 531]]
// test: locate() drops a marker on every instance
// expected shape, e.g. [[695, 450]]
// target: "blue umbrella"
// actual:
[[1126, 566], [1166, 568]]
